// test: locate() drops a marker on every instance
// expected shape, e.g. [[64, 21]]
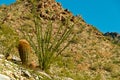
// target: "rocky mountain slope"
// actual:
[[113, 36], [90, 56]]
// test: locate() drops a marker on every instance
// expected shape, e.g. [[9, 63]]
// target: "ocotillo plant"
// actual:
[[48, 45]]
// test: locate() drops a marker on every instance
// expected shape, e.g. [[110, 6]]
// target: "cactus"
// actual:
[[25, 52]]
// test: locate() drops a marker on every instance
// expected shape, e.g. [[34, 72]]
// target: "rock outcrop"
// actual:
[[113, 36]]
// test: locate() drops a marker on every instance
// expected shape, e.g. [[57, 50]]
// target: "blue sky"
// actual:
[[103, 14], [6, 1]]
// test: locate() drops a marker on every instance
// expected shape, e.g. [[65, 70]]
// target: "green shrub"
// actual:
[[8, 39], [48, 44]]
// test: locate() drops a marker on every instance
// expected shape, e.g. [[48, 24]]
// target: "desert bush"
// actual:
[[7, 42], [47, 43]]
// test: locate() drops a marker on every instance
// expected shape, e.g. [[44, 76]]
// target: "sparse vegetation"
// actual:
[[7, 42], [49, 44], [50, 31]]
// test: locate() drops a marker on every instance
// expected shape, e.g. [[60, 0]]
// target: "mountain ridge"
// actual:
[[89, 56], [113, 36]]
